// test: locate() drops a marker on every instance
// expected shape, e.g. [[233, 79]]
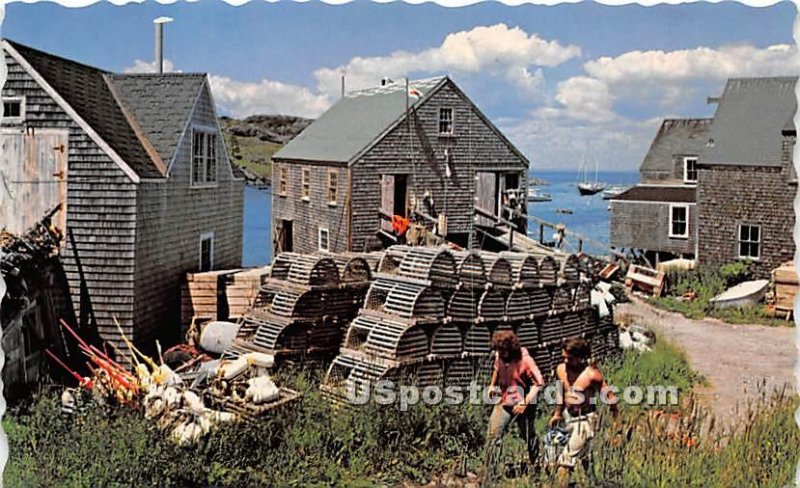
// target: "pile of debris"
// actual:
[[187, 406], [430, 313], [305, 305]]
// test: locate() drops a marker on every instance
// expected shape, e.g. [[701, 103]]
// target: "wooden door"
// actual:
[[486, 195], [33, 178], [387, 201]]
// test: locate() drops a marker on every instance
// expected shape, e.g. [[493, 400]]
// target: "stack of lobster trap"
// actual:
[[305, 305], [429, 315]]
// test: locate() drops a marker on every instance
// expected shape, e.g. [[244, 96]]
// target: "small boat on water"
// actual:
[[590, 188], [586, 187], [534, 181], [536, 195], [564, 211], [742, 295], [614, 191]]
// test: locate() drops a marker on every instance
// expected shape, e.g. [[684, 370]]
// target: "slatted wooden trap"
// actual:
[[463, 305], [298, 304], [583, 296], [570, 270], [528, 333], [478, 339], [498, 270], [470, 269], [353, 268], [492, 306], [390, 262], [548, 271], [447, 340], [540, 301], [563, 300], [387, 339], [313, 270], [524, 269], [518, 305], [435, 264], [406, 300]]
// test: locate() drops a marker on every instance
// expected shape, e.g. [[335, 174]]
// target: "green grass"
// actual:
[[315, 444], [708, 282], [252, 154]]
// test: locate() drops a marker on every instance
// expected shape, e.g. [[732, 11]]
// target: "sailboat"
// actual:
[[585, 187]]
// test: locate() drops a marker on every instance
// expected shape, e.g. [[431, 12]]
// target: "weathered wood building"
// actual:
[[746, 179], [659, 216], [376, 153], [723, 188], [143, 177]]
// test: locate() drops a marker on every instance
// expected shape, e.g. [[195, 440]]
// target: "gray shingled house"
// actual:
[[139, 165], [368, 158], [746, 178], [659, 216], [720, 189]]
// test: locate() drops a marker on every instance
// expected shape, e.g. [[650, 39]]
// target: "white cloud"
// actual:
[[140, 66], [654, 67], [240, 98], [497, 50], [584, 98], [563, 143]]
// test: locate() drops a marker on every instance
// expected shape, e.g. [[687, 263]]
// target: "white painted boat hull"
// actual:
[[742, 295]]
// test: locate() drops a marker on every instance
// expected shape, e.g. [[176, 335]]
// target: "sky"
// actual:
[[566, 83]]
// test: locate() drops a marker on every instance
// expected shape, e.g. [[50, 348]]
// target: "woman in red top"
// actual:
[[518, 377]]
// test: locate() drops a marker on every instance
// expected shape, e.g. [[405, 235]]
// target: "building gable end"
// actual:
[[104, 146]]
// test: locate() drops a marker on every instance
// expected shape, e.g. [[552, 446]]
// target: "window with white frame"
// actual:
[[206, 258], [204, 157], [749, 241], [445, 121], [333, 186], [13, 109], [305, 184], [690, 169], [679, 221], [324, 243]]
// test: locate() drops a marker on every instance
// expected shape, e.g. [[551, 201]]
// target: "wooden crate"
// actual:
[[786, 283], [241, 290]]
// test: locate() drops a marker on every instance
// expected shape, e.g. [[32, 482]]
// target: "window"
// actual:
[[690, 170], [283, 180], [678, 221], [306, 184], [13, 109], [333, 186], [324, 244], [207, 251], [204, 157], [749, 241], [445, 121]]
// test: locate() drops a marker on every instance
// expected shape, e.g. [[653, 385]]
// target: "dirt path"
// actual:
[[733, 358]]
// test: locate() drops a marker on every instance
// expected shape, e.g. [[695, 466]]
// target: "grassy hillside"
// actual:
[[252, 141]]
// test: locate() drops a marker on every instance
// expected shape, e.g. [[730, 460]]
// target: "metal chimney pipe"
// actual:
[[159, 22]]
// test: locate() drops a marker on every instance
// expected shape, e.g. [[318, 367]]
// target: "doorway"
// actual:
[[285, 237]]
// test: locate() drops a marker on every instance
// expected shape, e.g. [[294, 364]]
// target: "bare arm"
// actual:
[[611, 397], [559, 413]]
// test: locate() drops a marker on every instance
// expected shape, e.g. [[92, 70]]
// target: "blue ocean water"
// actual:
[[257, 241], [590, 215]]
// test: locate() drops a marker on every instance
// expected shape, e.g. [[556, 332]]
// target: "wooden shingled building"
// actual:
[[139, 168], [419, 150]]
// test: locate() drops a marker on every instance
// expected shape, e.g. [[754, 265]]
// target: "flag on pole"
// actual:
[[413, 92]]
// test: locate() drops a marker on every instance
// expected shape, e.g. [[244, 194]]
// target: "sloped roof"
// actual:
[[749, 122], [355, 121], [659, 193], [161, 104], [85, 90], [676, 136]]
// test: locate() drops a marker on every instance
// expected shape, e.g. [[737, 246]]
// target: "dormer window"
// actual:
[[445, 121], [204, 157], [13, 110], [690, 170]]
